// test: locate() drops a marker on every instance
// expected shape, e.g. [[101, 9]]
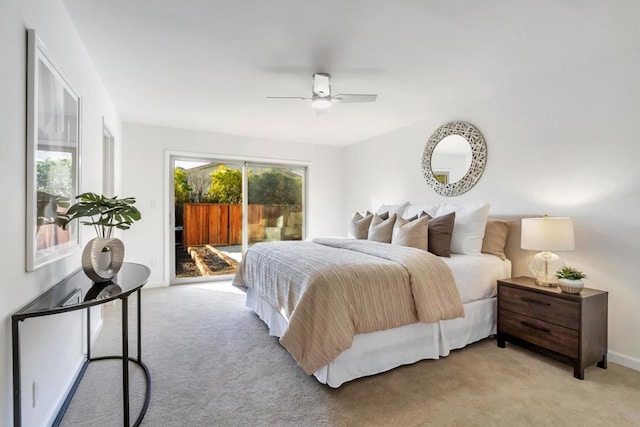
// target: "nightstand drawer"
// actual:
[[544, 334], [543, 307]]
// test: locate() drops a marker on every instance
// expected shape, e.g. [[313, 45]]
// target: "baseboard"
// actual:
[[624, 360], [56, 409], [68, 388]]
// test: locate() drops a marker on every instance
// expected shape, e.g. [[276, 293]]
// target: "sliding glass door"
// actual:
[[275, 203], [222, 207]]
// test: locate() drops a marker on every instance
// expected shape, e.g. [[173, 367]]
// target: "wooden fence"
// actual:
[[221, 224]]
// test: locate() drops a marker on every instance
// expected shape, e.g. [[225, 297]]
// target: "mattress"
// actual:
[[476, 276], [381, 351]]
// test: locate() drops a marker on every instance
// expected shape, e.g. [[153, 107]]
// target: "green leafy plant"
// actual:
[[105, 213], [570, 274]]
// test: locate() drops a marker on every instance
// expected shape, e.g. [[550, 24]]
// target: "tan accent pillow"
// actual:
[[495, 237], [440, 229], [411, 233], [381, 230], [359, 225]]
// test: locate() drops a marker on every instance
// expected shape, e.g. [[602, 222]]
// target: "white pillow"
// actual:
[[393, 209], [413, 209], [468, 228]]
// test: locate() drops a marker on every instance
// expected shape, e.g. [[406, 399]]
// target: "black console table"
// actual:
[[78, 292]]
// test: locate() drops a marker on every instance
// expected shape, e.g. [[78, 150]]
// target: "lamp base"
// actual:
[[543, 266], [543, 283]]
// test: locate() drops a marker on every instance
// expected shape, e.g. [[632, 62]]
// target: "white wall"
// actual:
[[50, 346], [563, 145], [566, 144], [144, 170]]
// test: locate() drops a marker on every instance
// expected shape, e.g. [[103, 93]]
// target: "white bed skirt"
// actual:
[[384, 350]]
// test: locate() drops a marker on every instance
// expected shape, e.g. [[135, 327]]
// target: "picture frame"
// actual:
[[53, 157]]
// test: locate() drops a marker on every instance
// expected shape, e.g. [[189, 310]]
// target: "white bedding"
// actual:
[[381, 351], [476, 276]]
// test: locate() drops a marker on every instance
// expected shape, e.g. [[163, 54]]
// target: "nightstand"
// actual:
[[569, 328]]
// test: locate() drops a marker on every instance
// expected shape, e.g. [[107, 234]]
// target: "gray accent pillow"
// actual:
[[412, 233], [383, 215], [359, 225], [381, 230]]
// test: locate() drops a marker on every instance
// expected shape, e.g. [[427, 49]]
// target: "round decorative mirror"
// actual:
[[454, 158]]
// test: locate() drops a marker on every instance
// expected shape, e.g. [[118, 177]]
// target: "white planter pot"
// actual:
[[571, 286]]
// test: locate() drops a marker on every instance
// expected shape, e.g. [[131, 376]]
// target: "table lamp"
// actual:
[[546, 234]]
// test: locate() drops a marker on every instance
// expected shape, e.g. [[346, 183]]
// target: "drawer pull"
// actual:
[[535, 301], [537, 328]]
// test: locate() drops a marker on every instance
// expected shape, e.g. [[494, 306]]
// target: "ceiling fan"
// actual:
[[321, 97]]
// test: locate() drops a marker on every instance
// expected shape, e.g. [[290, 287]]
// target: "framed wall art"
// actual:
[[53, 157], [441, 176]]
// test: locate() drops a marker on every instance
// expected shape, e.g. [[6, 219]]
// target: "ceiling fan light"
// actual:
[[321, 103]]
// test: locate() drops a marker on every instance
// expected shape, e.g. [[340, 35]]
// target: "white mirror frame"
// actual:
[[478, 158]]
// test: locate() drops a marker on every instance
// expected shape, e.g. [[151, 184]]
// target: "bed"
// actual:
[[273, 276]]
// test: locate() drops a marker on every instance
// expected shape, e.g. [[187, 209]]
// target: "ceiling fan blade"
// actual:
[[296, 98], [321, 85], [353, 97]]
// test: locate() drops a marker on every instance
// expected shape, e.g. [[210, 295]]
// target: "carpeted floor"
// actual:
[[213, 363]]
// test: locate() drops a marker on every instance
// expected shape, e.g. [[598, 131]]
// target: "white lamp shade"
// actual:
[[547, 234]]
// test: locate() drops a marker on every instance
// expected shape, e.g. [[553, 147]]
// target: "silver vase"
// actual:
[[102, 258]]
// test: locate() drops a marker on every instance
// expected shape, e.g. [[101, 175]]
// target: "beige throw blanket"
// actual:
[[332, 289]]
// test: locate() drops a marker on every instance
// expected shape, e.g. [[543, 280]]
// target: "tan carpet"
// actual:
[[213, 363]]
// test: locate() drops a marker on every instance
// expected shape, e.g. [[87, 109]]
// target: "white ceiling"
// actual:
[[210, 64]]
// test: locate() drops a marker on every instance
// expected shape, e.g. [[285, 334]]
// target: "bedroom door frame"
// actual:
[[169, 211]]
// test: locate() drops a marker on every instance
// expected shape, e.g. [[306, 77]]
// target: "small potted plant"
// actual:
[[570, 280], [103, 255]]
